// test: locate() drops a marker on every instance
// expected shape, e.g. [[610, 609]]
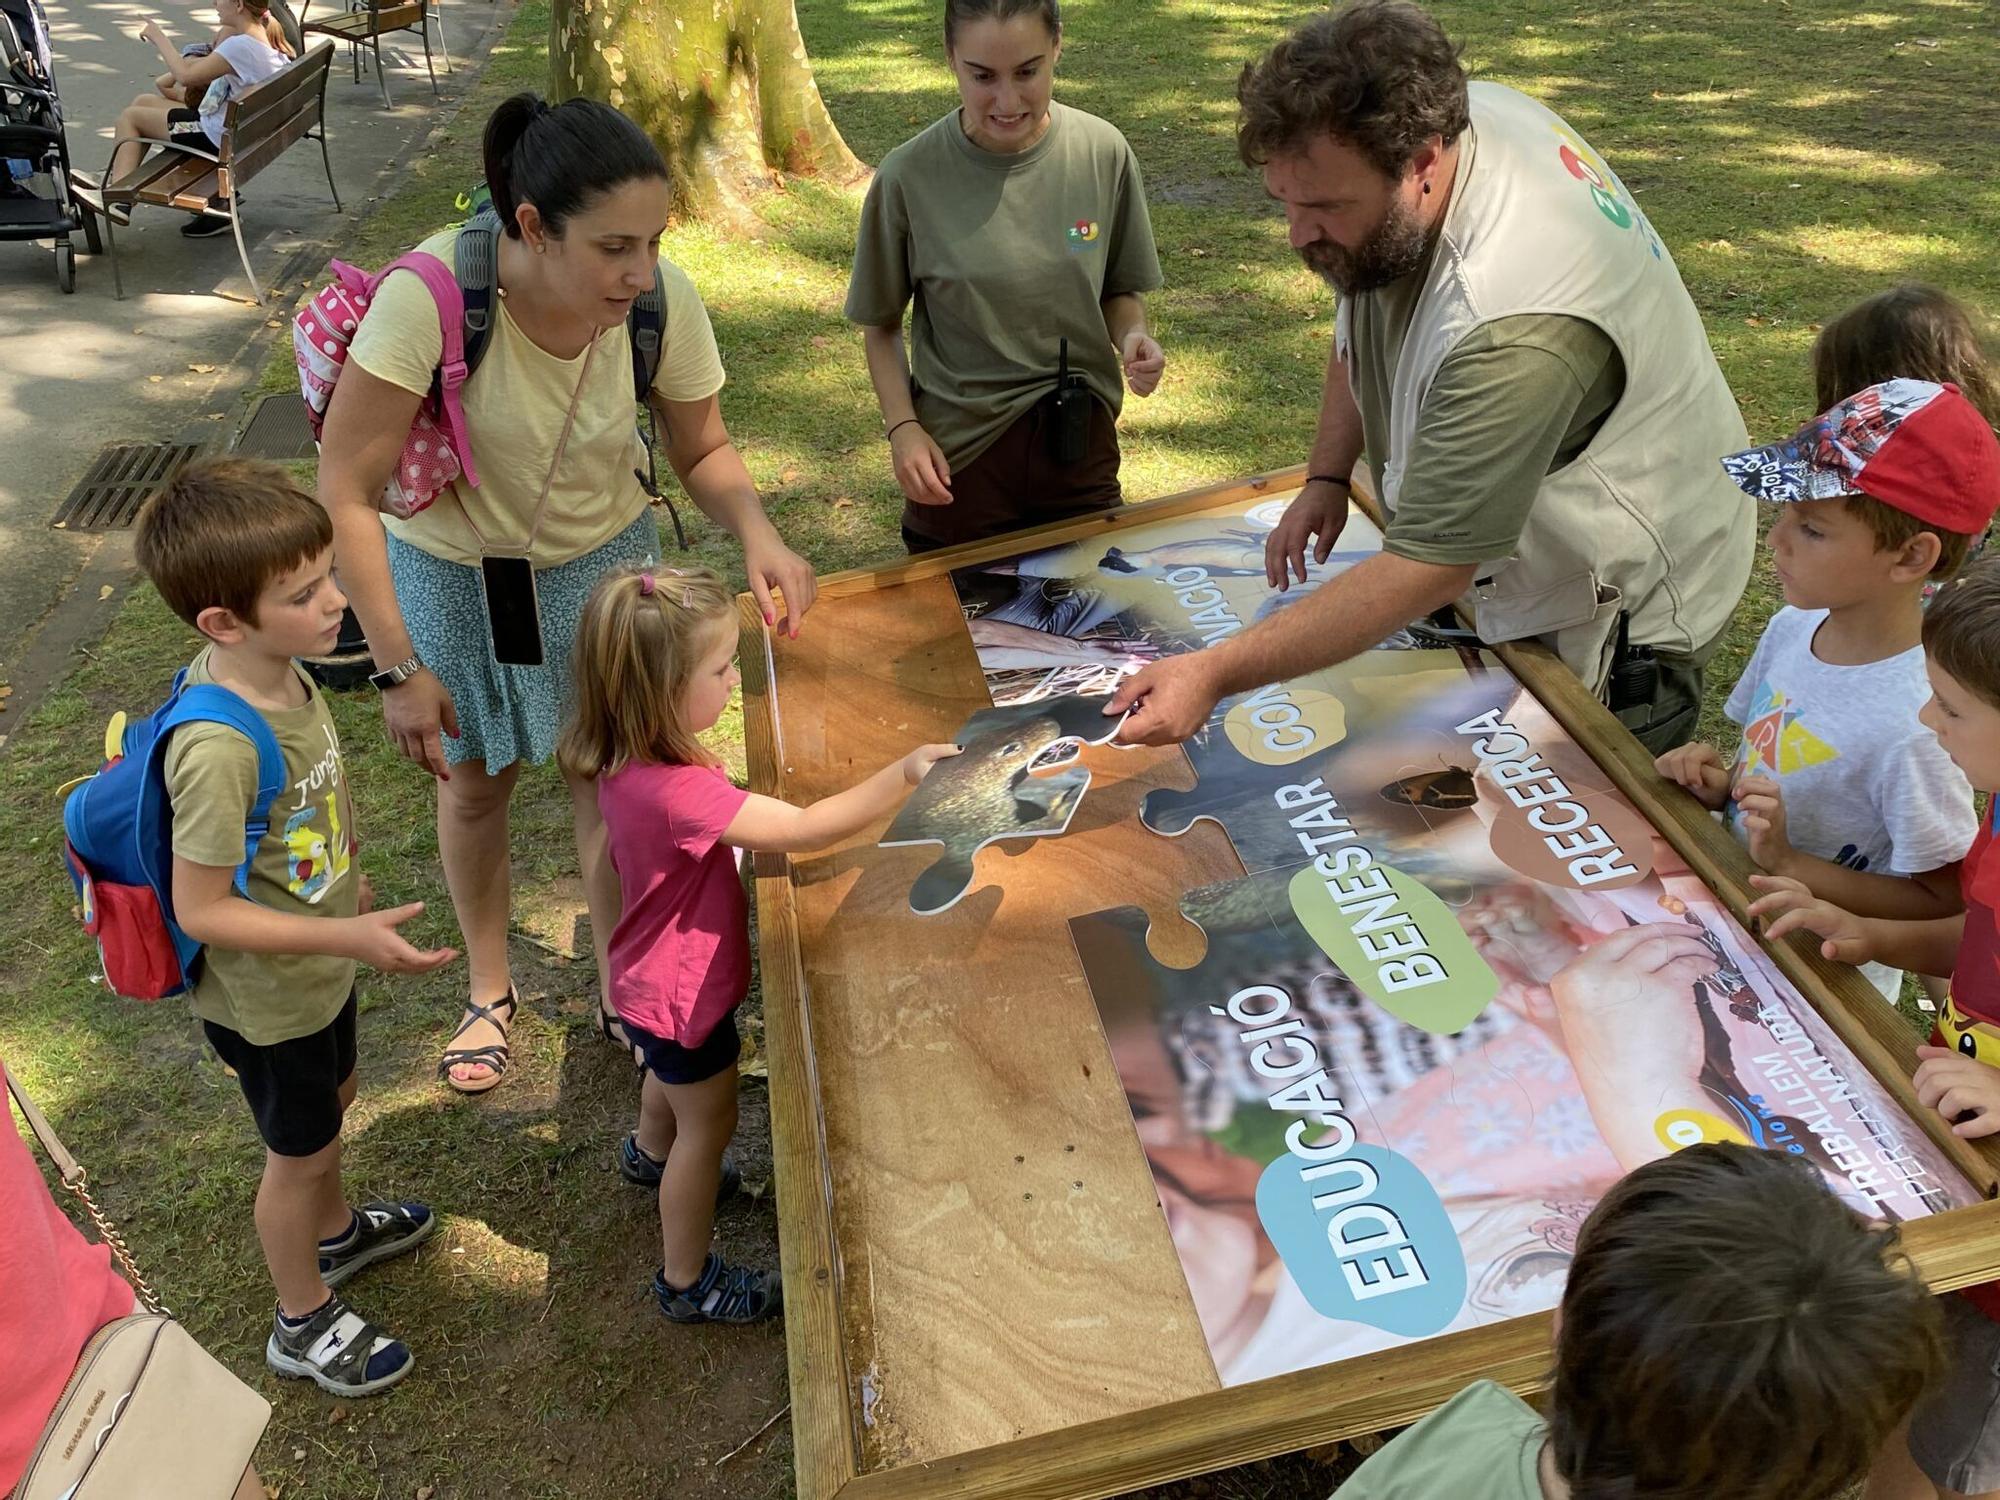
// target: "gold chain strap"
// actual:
[[76, 1182], [115, 1243]]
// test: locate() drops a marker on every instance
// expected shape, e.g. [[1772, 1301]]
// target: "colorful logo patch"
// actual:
[[1606, 191], [1082, 234]]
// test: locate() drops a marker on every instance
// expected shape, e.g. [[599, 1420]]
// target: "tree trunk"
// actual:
[[724, 87]]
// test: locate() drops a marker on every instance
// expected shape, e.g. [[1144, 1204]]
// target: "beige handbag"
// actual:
[[148, 1412]]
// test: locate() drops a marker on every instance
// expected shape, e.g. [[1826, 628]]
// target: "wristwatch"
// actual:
[[397, 675]]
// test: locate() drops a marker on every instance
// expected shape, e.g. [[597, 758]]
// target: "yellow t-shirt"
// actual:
[[514, 408]]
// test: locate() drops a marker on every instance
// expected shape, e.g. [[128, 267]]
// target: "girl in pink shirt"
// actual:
[[655, 665]]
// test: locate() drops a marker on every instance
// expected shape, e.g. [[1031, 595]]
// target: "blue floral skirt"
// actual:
[[505, 714]]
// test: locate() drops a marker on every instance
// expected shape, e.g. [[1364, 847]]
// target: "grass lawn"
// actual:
[[1794, 156]]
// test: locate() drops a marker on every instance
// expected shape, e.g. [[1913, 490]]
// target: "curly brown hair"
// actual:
[[1381, 75]]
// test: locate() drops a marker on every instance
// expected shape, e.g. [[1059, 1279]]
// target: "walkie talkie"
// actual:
[[1635, 670], [1069, 414]]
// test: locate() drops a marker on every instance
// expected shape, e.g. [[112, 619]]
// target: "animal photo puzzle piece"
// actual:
[[1017, 778], [1287, 734]]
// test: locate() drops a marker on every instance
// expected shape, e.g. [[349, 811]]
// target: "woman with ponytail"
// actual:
[[581, 194], [174, 92]]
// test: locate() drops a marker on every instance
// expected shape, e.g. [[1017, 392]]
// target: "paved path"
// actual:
[[78, 372]]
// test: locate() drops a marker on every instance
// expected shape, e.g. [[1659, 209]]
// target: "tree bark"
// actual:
[[724, 86]]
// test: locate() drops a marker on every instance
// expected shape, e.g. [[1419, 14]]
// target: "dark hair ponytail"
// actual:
[[562, 158], [957, 11]]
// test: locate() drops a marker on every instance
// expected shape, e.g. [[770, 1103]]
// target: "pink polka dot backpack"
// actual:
[[437, 450]]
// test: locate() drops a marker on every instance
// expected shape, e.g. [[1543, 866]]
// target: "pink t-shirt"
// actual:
[[56, 1290], [680, 954]]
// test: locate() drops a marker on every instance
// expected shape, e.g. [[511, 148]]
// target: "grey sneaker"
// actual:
[[337, 1350]]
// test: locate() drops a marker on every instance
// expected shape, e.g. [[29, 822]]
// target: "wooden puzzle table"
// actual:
[[982, 1295]]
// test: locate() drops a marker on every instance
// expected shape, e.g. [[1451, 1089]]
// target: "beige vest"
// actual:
[[1644, 519]]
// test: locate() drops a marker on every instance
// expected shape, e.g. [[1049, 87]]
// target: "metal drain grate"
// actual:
[[110, 495], [278, 430]]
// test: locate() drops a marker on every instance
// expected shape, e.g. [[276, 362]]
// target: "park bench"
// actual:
[[366, 22], [257, 126]]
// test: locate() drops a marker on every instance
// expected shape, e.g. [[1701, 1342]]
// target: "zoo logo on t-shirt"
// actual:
[[1083, 234]]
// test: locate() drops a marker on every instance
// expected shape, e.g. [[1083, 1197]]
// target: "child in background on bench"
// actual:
[[1953, 1445], [1729, 1331], [655, 666], [1834, 782]]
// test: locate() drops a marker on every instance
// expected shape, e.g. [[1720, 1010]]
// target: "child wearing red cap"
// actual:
[[1953, 1447], [1835, 783]]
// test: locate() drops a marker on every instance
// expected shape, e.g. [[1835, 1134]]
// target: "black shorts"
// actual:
[[670, 1062], [184, 128], [293, 1087]]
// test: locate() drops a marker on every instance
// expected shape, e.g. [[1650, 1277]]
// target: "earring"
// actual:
[[1427, 190], [544, 249]]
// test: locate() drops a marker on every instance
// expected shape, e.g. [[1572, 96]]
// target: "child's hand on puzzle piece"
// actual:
[[1788, 907], [1962, 1089], [1699, 768], [917, 764], [1761, 805]]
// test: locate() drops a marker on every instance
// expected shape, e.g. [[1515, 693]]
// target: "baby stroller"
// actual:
[[37, 194]]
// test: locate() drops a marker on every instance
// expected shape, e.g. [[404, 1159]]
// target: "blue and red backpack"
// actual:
[[118, 831]]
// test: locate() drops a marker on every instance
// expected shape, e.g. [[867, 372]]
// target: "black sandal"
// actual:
[[493, 1057]]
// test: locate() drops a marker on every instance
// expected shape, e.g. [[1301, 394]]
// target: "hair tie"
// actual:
[[645, 585]]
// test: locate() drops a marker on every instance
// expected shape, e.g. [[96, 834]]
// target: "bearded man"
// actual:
[[1517, 357]]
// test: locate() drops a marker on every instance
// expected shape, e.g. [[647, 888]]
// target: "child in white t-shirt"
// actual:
[[1834, 782]]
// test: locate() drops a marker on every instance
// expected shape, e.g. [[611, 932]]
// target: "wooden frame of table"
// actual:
[[949, 1334]]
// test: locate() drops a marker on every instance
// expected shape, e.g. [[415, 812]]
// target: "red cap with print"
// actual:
[[1912, 444]]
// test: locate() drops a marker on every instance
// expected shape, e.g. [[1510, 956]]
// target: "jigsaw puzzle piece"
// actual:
[[1286, 735], [1015, 779]]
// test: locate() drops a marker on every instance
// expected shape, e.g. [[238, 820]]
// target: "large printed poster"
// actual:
[[1460, 990]]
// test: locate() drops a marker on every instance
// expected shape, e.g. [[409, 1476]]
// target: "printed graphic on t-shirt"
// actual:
[[1775, 739], [318, 851], [1083, 234]]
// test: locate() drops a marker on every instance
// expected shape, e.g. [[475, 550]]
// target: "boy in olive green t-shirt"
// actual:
[[247, 560]]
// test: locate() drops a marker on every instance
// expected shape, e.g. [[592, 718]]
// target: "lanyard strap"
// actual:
[[562, 445]]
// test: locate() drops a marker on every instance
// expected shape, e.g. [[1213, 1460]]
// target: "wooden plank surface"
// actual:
[[1005, 1269], [825, 1443]]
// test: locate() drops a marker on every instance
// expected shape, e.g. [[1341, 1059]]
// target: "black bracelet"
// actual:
[[1340, 479], [904, 423]]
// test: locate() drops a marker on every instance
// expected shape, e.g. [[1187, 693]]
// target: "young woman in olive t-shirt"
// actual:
[[1013, 224]]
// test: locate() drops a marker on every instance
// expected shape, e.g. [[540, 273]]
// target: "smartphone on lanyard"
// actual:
[[513, 613]]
